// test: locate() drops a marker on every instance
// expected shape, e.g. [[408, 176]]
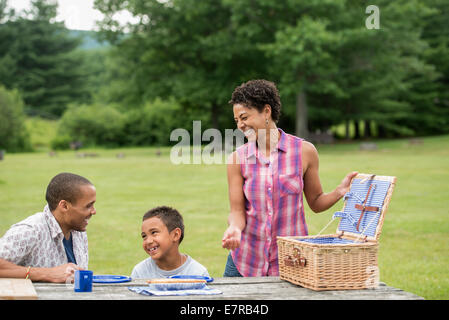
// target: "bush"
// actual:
[[91, 125], [41, 131], [14, 136], [153, 123], [61, 142], [97, 125]]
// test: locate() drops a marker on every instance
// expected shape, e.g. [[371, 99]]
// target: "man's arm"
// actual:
[[9, 258], [10, 270], [59, 274]]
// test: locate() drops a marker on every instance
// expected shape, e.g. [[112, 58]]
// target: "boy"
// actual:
[[162, 232]]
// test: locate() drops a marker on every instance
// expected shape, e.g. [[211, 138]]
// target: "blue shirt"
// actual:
[[68, 246]]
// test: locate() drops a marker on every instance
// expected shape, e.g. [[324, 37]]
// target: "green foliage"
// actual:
[[319, 52], [61, 142], [198, 65], [110, 126], [153, 123], [3, 12], [42, 132], [318, 48], [37, 57], [14, 136], [90, 125], [429, 95], [95, 67]]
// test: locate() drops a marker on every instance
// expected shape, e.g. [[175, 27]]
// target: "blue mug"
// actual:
[[83, 280]]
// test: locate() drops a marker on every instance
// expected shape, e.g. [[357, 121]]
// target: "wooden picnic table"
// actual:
[[254, 288]]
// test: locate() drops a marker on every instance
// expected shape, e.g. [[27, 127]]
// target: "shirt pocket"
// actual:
[[289, 184]]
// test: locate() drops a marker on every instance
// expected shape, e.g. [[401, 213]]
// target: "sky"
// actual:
[[77, 14]]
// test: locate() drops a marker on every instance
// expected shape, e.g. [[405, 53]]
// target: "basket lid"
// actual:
[[365, 206]]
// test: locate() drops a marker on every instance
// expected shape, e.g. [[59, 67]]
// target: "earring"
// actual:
[[266, 122]]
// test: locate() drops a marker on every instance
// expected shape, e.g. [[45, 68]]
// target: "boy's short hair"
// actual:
[[258, 93], [64, 186], [169, 216]]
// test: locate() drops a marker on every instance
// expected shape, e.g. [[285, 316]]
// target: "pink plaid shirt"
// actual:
[[274, 204]]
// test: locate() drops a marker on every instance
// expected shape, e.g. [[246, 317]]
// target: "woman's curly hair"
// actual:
[[258, 93]]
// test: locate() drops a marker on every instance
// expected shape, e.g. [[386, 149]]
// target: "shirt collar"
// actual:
[[55, 228], [282, 144]]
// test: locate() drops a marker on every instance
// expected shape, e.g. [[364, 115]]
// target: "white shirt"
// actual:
[[147, 269], [37, 242]]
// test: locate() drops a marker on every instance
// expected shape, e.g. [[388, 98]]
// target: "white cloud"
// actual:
[[77, 14]]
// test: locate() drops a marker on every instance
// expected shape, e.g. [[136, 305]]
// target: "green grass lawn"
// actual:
[[414, 245]]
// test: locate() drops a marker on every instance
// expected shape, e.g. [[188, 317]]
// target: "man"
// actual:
[[50, 245]]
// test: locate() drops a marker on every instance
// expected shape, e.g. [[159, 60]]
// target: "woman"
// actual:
[[266, 179]]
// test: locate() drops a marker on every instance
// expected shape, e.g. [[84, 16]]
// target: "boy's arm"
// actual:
[[317, 200], [237, 218]]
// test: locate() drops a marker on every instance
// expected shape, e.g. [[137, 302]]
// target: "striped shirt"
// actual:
[[273, 204]]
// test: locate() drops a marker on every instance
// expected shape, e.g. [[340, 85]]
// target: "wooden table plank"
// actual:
[[17, 289], [257, 288]]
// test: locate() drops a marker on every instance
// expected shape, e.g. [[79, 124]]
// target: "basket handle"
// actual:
[[327, 225], [297, 260], [368, 178]]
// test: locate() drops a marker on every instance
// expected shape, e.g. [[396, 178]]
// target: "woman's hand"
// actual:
[[231, 238], [345, 184]]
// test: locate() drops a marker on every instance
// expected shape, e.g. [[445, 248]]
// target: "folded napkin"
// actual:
[[148, 291]]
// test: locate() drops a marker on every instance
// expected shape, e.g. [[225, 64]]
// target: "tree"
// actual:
[[429, 93], [341, 70], [187, 50], [13, 134], [329, 66], [37, 57], [3, 12]]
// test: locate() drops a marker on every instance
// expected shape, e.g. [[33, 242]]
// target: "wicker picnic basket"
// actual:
[[348, 259]]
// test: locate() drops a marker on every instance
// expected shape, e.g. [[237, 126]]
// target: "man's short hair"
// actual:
[[169, 216], [64, 186]]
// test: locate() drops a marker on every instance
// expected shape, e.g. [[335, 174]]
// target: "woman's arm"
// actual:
[[317, 200], [237, 218]]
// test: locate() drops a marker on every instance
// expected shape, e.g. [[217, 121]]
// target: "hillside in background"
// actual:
[[90, 39]]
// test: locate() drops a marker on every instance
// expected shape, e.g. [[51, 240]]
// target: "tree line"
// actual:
[[183, 59]]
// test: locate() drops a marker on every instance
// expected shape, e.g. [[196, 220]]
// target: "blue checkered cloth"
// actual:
[[356, 195], [147, 291], [350, 215]]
